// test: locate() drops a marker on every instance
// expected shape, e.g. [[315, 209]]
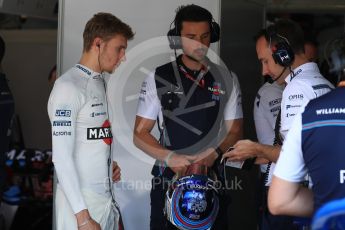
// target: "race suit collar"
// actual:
[[307, 67], [87, 71]]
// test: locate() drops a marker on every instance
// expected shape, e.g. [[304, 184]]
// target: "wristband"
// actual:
[[84, 223], [167, 158], [219, 151]]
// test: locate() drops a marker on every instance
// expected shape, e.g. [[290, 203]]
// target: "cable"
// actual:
[[281, 74]]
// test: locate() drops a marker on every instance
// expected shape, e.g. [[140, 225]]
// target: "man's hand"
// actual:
[[116, 172], [85, 222], [207, 157], [243, 150], [179, 162], [92, 225], [341, 84]]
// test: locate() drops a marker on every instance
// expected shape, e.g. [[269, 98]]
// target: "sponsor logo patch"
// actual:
[[98, 104], [101, 133], [275, 109], [62, 133], [97, 114], [292, 106], [275, 102], [216, 91], [330, 111], [290, 114], [62, 123], [63, 113], [296, 96], [295, 74], [83, 69]]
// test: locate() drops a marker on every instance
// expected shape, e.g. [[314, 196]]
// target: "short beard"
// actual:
[[191, 58]]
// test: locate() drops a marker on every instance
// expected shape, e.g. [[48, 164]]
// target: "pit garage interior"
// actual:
[[41, 34]]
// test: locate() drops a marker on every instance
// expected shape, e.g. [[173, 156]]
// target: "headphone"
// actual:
[[282, 52], [174, 34]]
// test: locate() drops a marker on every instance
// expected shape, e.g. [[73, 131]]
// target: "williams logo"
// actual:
[[103, 133], [330, 111], [62, 113], [61, 123]]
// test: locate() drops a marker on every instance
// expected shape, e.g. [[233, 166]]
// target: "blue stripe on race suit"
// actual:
[[321, 86], [318, 124]]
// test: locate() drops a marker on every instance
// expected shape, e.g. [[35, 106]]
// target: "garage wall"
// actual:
[[30, 55]]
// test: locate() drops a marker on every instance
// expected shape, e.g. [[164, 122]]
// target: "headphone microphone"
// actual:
[[281, 74]]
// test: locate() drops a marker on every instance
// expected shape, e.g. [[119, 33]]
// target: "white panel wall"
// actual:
[[150, 19]]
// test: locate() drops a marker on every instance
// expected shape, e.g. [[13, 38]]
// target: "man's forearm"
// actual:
[[268, 152], [149, 144], [296, 201], [303, 204]]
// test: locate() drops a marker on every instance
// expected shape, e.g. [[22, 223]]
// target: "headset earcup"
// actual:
[[174, 39], [283, 54], [215, 32]]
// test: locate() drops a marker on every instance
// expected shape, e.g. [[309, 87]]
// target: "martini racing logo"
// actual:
[[61, 123], [63, 113], [216, 91], [101, 133]]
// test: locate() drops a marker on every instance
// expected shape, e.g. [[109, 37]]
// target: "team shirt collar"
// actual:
[[307, 67], [87, 72]]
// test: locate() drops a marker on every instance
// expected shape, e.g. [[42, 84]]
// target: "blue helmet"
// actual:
[[192, 202]]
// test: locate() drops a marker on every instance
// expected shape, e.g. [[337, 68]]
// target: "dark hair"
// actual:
[[51, 74], [284, 29], [191, 13], [2, 49], [105, 26]]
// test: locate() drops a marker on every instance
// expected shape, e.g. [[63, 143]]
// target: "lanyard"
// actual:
[[199, 80]]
